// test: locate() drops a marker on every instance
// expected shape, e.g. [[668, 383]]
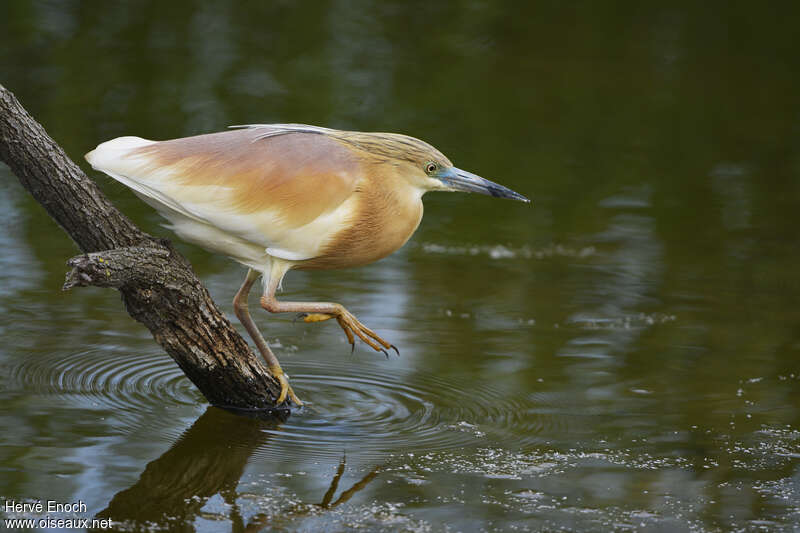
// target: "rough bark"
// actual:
[[158, 286]]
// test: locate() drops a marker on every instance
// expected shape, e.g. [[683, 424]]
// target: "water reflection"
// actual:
[[300, 510], [208, 460], [19, 270], [626, 277], [621, 355], [377, 409]]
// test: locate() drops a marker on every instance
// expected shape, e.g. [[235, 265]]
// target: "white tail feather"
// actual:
[[108, 154]]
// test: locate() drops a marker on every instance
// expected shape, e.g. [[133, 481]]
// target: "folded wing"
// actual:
[[284, 189]]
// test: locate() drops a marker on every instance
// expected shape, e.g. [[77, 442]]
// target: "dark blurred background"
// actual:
[[624, 353]]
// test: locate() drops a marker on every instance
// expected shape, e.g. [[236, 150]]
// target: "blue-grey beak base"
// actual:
[[461, 180]]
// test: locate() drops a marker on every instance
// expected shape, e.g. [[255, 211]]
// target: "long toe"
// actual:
[[286, 389], [354, 328], [295, 400]]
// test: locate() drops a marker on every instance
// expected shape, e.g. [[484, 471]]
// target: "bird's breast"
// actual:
[[382, 221]]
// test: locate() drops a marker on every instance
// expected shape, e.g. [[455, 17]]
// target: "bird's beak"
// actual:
[[461, 180]]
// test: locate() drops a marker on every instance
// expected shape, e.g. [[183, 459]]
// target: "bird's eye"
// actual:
[[430, 168]]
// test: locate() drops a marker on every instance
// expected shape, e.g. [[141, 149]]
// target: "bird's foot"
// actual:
[[286, 389], [353, 328]]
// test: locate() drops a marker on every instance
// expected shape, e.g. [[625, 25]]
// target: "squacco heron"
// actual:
[[282, 196]]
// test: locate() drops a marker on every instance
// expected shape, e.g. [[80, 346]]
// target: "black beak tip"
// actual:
[[502, 192]]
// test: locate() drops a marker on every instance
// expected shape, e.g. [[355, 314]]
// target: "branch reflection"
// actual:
[[209, 459]]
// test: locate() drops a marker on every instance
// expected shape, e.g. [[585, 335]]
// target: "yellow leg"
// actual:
[[242, 311], [321, 311]]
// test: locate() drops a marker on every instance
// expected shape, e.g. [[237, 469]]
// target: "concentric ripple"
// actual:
[[110, 379], [372, 409]]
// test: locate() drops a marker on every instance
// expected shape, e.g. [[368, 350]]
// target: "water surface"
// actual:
[[624, 354]]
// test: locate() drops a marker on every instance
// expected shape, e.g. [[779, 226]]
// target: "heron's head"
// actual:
[[443, 176], [425, 166]]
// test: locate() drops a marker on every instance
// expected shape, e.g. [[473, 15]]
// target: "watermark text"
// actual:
[[49, 508]]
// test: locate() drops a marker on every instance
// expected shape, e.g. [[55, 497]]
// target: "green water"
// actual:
[[624, 354]]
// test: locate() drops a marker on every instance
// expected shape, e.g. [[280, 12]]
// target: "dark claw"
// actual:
[[352, 347], [385, 353], [393, 347], [299, 316]]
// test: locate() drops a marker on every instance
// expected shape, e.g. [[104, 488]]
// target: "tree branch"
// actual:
[[123, 267], [158, 286]]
